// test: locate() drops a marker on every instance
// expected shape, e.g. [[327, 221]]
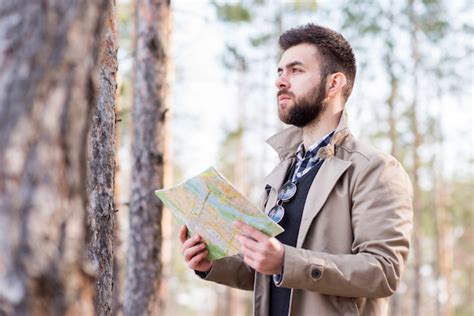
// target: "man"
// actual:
[[345, 207]]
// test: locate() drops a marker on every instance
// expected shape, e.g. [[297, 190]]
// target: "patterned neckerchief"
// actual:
[[307, 160]]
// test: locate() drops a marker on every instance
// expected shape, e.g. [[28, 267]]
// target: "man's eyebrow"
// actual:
[[294, 63]]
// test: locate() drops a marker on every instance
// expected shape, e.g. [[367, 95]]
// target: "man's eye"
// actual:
[[296, 70]]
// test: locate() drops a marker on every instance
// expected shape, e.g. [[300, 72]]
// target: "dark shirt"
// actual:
[[302, 173], [280, 297]]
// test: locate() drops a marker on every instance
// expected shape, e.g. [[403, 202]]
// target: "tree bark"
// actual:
[[101, 169], [148, 116], [48, 83]]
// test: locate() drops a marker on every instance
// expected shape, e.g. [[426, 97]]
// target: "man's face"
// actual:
[[301, 90]]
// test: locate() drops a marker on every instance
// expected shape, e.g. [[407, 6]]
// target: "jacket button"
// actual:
[[315, 273]]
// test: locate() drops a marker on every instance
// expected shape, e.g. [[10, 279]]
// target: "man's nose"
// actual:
[[282, 82]]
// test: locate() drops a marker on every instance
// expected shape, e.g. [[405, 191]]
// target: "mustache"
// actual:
[[286, 92]]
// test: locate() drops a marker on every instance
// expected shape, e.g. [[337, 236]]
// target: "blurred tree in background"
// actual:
[[143, 265]]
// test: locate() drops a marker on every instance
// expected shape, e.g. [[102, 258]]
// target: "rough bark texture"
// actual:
[[121, 216], [148, 116], [101, 169], [48, 54]]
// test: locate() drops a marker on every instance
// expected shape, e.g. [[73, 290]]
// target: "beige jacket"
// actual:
[[354, 235]]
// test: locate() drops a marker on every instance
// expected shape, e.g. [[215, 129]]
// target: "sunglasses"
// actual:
[[286, 192]]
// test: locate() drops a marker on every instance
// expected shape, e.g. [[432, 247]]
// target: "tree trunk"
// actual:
[[101, 169], [48, 83], [444, 245], [392, 119], [417, 202], [391, 100], [234, 302], [239, 299], [148, 116]]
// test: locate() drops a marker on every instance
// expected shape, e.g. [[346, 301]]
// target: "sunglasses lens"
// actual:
[[287, 191], [276, 213]]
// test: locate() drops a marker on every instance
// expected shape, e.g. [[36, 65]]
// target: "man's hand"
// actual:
[[262, 253], [194, 251]]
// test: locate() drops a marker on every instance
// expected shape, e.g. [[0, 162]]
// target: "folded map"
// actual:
[[208, 204]]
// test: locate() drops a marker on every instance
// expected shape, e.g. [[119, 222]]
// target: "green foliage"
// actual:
[[125, 23], [378, 136], [365, 18], [468, 29], [233, 135], [303, 5], [434, 29], [233, 59], [433, 21], [261, 39], [233, 13]]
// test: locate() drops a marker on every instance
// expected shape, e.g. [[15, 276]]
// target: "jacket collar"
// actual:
[[287, 141]]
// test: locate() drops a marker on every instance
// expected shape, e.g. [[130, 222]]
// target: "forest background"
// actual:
[[154, 92]]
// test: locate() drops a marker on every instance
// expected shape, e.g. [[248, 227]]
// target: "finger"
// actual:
[[183, 234], [196, 260], [251, 231], [189, 253], [248, 243], [192, 241], [250, 253]]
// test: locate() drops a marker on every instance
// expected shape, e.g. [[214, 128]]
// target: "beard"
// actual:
[[305, 109]]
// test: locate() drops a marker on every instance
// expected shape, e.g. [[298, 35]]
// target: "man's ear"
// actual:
[[335, 82]]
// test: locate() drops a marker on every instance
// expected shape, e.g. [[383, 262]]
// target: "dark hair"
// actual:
[[335, 52]]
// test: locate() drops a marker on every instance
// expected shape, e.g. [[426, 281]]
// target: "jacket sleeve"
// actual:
[[382, 217], [233, 272]]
